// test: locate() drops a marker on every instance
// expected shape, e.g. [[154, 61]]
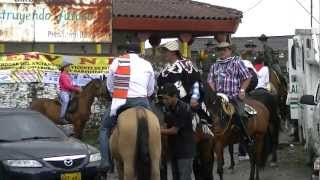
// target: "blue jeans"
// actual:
[[108, 122], [182, 169], [64, 98]]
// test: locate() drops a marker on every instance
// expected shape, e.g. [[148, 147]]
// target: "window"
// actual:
[[309, 43], [293, 57]]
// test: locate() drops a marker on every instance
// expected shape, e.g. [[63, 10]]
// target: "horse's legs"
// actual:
[[119, 165], [155, 170], [274, 154], [219, 151], [257, 172], [129, 169], [231, 152]]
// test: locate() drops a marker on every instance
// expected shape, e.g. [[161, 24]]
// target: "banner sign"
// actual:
[[41, 67], [56, 20]]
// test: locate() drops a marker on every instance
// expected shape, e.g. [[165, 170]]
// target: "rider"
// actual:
[[66, 88], [230, 76], [270, 60], [130, 81], [184, 75]]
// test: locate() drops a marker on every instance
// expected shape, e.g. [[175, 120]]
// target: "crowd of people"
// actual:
[[131, 81]]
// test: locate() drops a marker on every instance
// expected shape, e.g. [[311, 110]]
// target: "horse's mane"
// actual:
[[89, 83]]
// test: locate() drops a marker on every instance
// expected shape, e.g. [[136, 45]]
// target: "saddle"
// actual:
[[73, 104], [229, 109]]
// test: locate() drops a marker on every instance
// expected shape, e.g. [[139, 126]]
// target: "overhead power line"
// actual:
[[254, 6], [315, 19]]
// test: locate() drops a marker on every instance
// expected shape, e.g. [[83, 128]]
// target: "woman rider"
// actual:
[[66, 88]]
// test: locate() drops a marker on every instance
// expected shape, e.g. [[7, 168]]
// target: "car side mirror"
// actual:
[[308, 100]]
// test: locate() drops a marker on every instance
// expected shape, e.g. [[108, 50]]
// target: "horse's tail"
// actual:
[[142, 159], [267, 149]]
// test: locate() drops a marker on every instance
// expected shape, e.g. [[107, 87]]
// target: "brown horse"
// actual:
[[135, 144], [226, 132], [280, 89], [51, 107]]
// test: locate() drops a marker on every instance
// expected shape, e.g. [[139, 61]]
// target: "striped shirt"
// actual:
[[227, 76]]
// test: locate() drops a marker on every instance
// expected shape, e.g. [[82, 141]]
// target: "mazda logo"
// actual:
[[68, 162]]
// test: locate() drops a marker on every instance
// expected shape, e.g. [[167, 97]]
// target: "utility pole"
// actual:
[[311, 12]]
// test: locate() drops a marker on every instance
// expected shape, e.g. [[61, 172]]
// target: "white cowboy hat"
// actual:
[[171, 46], [224, 45]]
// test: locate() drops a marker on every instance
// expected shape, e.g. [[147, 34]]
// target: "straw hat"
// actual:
[[171, 46]]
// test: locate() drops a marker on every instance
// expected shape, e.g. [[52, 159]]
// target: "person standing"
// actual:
[[179, 131]]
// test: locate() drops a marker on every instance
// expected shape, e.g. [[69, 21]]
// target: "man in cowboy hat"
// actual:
[[270, 60], [66, 88], [230, 76], [250, 52]]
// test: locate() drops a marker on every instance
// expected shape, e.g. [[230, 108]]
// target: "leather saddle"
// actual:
[[73, 104]]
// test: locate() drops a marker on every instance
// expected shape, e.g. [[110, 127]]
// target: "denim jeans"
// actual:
[[182, 169], [64, 97], [108, 122]]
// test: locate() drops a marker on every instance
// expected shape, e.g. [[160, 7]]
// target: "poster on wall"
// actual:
[[45, 68], [56, 21]]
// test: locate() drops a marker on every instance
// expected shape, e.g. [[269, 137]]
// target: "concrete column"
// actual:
[[142, 38], [2, 48], [155, 41], [222, 37], [185, 39], [98, 48], [51, 48]]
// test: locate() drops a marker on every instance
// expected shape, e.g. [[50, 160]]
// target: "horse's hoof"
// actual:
[[273, 164]]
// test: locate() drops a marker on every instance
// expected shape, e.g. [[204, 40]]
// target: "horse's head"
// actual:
[[98, 88], [220, 107]]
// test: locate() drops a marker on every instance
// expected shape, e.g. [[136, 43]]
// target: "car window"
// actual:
[[25, 125]]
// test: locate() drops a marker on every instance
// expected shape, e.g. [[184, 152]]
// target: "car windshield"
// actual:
[[20, 126]]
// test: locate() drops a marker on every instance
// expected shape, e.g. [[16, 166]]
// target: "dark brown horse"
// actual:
[[79, 117], [203, 164], [271, 102], [226, 132], [280, 89]]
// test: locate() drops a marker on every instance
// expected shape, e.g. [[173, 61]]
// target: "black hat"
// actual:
[[210, 43], [263, 37], [250, 44], [133, 48]]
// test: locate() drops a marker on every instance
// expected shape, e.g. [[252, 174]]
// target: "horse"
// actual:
[[204, 160], [227, 133], [270, 101], [135, 145], [280, 89], [80, 114]]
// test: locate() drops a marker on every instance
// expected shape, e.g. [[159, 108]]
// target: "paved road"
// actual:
[[292, 166]]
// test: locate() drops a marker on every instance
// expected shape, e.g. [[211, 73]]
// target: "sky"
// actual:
[[270, 17]]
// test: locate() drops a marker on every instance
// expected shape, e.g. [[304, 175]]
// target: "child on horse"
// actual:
[[130, 81], [230, 76], [66, 88]]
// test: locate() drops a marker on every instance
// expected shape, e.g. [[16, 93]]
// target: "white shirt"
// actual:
[[142, 78], [263, 77], [249, 65]]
